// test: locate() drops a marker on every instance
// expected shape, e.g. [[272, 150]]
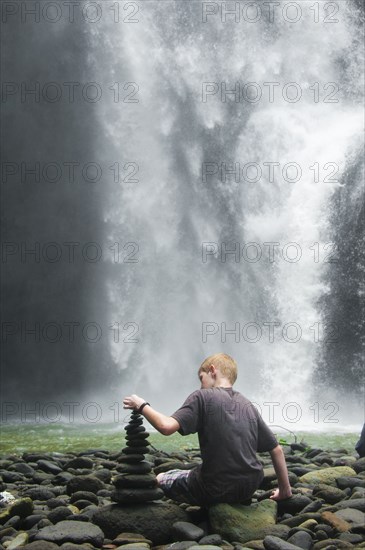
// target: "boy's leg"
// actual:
[[174, 485]]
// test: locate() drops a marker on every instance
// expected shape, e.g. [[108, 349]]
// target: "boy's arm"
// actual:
[[281, 471], [164, 424]]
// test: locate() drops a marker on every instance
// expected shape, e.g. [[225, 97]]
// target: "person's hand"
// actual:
[[281, 495], [132, 402]]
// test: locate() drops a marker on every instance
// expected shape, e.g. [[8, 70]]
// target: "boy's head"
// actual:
[[224, 363]]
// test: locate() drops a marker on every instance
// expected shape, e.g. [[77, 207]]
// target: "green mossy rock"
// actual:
[[236, 522], [21, 507], [327, 476], [20, 540]]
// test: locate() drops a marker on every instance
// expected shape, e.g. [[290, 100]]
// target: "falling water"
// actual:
[[291, 130]]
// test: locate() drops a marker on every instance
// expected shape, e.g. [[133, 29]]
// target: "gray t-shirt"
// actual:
[[230, 432]]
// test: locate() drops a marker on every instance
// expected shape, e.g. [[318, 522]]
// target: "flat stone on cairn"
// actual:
[[136, 483]]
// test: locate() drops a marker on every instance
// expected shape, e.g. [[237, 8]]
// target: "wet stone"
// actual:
[[133, 425], [84, 495], [132, 450], [131, 459], [132, 480], [134, 486], [126, 496], [134, 429], [139, 435], [138, 443], [140, 468], [184, 530], [126, 538]]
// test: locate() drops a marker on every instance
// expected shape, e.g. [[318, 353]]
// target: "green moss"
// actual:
[[242, 523], [327, 476]]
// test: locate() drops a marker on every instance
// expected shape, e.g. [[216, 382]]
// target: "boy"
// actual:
[[230, 432]]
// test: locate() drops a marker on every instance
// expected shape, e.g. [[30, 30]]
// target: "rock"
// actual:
[[324, 527], [124, 538], [20, 540], [72, 546], [33, 519], [137, 436], [357, 503], [41, 545], [84, 483], [359, 465], [205, 547], [140, 486], [81, 504], [23, 468], [8, 532], [56, 502], [358, 492], [298, 446], [300, 470], [345, 461], [49, 467], [313, 506], [255, 544], [293, 505], [336, 522], [132, 480], [327, 476], [345, 482], [274, 543], [13, 522], [328, 493], [127, 496], [323, 458], [352, 516], [153, 519], [39, 493], [62, 478], [242, 523], [143, 467], [301, 518], [72, 531], [301, 539], [87, 513], [131, 459], [134, 546], [84, 495], [21, 507], [351, 537], [182, 545], [331, 543], [79, 462], [11, 477], [183, 530], [104, 475], [309, 524], [215, 540], [59, 514], [321, 535]]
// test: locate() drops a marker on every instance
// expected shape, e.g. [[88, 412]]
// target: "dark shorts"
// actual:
[[175, 486]]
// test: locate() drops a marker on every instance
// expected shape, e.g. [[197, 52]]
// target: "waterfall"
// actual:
[[233, 132]]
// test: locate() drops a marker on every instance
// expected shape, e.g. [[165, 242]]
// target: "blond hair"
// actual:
[[225, 363]]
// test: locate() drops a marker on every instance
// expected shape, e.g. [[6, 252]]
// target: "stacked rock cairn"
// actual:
[[136, 483]]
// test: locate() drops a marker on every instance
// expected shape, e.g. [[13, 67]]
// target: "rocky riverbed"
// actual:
[[67, 500]]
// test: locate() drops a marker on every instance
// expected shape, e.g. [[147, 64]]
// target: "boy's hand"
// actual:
[[281, 495], [132, 402]]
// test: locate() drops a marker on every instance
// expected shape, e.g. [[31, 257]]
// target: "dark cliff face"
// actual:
[[342, 356], [51, 293]]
